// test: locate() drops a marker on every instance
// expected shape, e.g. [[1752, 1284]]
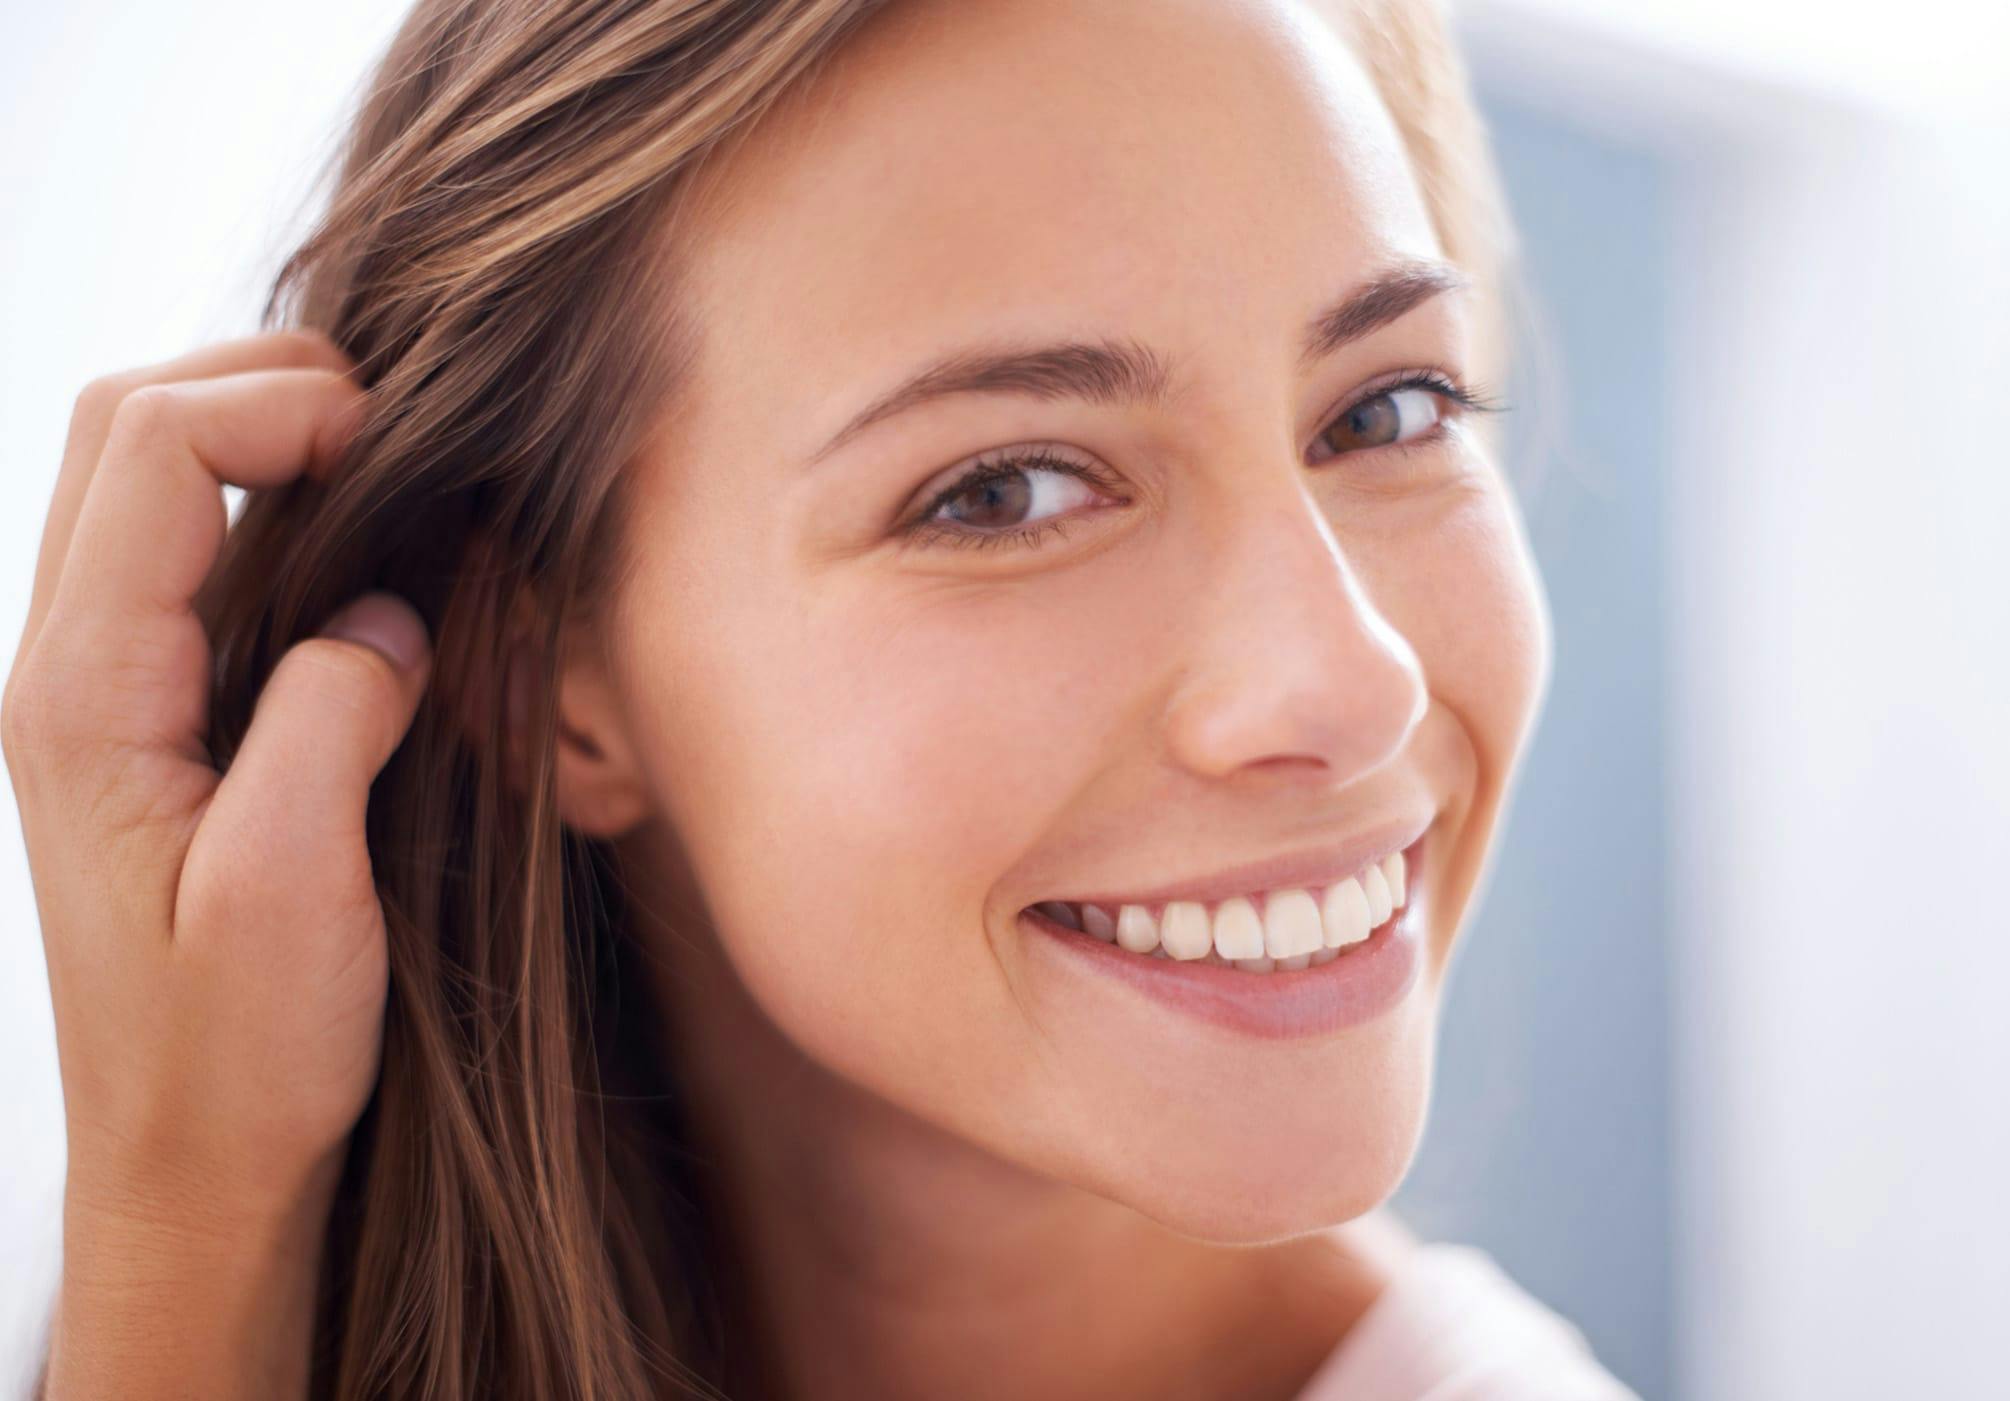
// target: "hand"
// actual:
[[215, 943]]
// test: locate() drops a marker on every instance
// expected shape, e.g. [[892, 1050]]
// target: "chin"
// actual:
[[1252, 1164], [1266, 1217]]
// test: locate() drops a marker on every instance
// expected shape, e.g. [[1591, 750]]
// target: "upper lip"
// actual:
[[1308, 869]]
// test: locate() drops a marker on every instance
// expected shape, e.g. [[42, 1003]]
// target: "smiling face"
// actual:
[[1241, 583]]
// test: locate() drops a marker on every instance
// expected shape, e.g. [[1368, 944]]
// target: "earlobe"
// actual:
[[601, 790]]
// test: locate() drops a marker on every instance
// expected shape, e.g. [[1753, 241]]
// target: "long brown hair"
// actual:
[[523, 1212]]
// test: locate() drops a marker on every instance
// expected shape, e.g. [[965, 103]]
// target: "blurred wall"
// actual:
[[1838, 609], [1549, 1134], [1843, 643]]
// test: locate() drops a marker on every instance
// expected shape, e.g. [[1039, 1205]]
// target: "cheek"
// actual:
[[1458, 581], [1460, 584], [850, 792]]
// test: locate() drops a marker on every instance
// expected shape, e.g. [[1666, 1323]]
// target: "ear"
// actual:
[[601, 787]]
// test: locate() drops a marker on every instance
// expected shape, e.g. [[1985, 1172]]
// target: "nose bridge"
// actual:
[[1290, 662]]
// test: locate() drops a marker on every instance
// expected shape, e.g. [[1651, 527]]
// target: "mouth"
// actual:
[[1270, 996], [1281, 929]]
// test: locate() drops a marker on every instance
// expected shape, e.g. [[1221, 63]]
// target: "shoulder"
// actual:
[[1448, 1324]]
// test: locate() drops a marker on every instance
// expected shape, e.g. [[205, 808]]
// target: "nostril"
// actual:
[[1287, 762]]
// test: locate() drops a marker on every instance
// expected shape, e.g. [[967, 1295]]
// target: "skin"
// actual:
[[941, 1142], [218, 1028]]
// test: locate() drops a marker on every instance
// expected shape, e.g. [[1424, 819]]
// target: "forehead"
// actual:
[[1187, 172]]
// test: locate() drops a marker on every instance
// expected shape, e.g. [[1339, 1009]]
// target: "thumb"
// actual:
[[334, 709]]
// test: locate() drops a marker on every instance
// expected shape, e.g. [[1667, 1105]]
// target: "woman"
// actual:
[[872, 655]]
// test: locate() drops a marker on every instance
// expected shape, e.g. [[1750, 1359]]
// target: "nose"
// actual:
[[1292, 671]]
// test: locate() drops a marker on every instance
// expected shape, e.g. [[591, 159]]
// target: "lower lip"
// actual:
[[1365, 981]]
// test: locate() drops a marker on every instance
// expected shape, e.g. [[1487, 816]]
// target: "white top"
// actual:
[[1451, 1326]]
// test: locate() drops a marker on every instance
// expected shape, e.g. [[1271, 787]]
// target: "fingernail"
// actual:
[[383, 621]]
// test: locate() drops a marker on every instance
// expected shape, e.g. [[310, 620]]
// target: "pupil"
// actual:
[[1008, 493], [1376, 421]]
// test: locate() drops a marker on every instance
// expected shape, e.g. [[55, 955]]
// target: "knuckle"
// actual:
[[43, 734], [98, 400], [28, 714], [50, 707], [146, 410], [349, 673], [16, 736]]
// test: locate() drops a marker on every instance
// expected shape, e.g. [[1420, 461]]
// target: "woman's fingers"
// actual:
[[91, 422], [216, 948], [298, 787], [120, 630]]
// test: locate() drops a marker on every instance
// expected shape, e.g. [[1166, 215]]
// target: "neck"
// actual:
[[889, 1258]]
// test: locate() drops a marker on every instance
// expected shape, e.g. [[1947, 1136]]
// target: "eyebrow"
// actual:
[[1127, 372]]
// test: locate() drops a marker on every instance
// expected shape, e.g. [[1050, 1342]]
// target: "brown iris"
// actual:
[[1001, 499], [1372, 423]]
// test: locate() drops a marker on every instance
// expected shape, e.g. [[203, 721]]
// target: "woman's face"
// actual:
[[1243, 609]]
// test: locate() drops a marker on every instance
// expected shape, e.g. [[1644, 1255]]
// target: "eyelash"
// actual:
[[926, 530]]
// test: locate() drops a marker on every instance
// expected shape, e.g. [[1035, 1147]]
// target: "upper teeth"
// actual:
[[1294, 927]]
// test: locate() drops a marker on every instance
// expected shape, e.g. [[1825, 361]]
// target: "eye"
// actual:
[[1409, 410], [1393, 416], [1015, 500]]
